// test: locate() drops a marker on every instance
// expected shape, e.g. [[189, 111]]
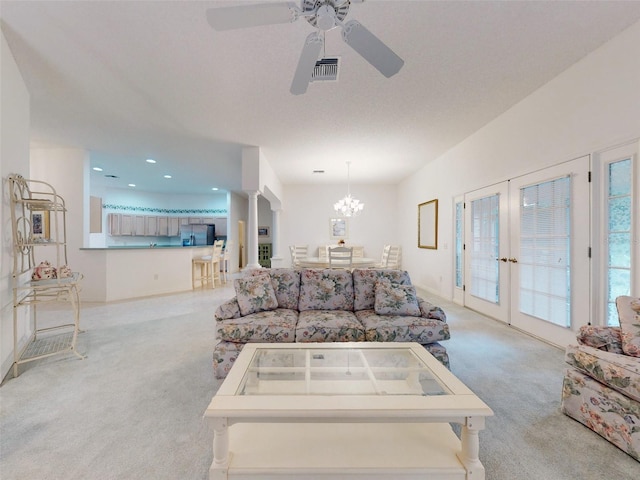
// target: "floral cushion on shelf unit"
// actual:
[[325, 290], [44, 271], [393, 299], [255, 294], [65, 271], [629, 325]]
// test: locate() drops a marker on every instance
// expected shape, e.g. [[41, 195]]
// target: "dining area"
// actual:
[[344, 257]]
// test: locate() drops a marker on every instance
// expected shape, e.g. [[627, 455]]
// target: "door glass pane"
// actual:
[[618, 234], [545, 234], [485, 228], [459, 242]]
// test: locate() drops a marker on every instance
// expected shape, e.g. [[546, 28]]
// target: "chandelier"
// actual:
[[348, 206]]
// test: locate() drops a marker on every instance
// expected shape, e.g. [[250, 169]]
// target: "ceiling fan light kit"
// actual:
[[324, 15]]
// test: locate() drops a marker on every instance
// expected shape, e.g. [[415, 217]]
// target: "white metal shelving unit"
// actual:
[[38, 220]]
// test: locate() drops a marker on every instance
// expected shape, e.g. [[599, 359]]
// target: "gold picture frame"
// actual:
[[40, 229], [428, 224]]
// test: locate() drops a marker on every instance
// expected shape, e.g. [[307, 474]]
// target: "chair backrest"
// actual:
[[358, 251], [384, 261], [395, 257], [217, 250], [297, 252], [340, 257]]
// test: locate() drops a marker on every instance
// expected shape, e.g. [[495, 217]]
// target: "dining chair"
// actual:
[[395, 257], [384, 261], [298, 252], [340, 257]]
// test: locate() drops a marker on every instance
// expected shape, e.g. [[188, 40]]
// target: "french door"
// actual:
[[486, 251], [527, 251]]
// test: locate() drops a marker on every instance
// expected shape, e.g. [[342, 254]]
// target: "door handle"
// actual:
[[513, 260], [503, 259]]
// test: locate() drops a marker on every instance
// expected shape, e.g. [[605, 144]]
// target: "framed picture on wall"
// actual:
[[263, 231], [428, 224], [339, 228], [40, 225]]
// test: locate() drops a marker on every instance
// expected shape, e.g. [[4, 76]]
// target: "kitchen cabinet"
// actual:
[[174, 227], [163, 227], [139, 225], [150, 226], [127, 225], [114, 223]]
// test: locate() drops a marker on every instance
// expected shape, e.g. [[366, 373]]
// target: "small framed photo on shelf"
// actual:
[[339, 229], [40, 225], [263, 231]]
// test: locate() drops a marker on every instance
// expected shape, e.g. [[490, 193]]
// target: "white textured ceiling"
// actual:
[[129, 80]]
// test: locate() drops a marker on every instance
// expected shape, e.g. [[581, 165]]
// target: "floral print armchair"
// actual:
[[601, 388]]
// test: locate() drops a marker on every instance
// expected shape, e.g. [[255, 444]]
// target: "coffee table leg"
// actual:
[[220, 463], [469, 456]]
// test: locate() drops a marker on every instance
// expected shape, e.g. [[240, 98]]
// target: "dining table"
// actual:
[[323, 262]]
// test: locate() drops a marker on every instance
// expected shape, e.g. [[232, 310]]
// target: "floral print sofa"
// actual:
[[602, 387], [311, 305]]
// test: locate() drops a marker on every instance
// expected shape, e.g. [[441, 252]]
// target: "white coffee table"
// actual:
[[362, 410]]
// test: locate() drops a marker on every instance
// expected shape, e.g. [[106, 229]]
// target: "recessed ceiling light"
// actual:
[[214, 188], [150, 160], [132, 184], [167, 176], [97, 169]]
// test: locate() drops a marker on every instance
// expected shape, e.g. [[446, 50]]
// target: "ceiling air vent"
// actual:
[[326, 70]]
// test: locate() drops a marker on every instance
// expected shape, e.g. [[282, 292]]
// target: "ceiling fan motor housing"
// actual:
[[326, 12]]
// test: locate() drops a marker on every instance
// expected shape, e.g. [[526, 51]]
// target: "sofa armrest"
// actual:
[[229, 309], [603, 338], [429, 310]]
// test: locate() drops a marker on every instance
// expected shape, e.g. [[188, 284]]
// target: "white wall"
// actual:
[[14, 158], [308, 209], [593, 105]]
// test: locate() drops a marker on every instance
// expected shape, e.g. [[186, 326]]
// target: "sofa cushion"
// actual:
[[255, 294], [400, 328], [620, 372], [364, 283], [267, 326], [325, 290], [394, 299], [286, 285], [629, 324], [328, 326]]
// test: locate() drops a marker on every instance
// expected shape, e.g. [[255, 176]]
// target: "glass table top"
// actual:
[[331, 371]]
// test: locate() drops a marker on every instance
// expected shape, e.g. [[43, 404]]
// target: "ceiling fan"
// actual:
[[321, 14]]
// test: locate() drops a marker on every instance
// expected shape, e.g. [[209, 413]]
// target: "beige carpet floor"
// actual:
[[133, 408]]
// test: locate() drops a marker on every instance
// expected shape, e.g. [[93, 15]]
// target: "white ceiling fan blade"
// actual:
[[306, 64], [371, 48], [244, 16]]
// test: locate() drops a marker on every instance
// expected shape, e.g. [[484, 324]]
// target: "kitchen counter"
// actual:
[[145, 247], [123, 272]]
